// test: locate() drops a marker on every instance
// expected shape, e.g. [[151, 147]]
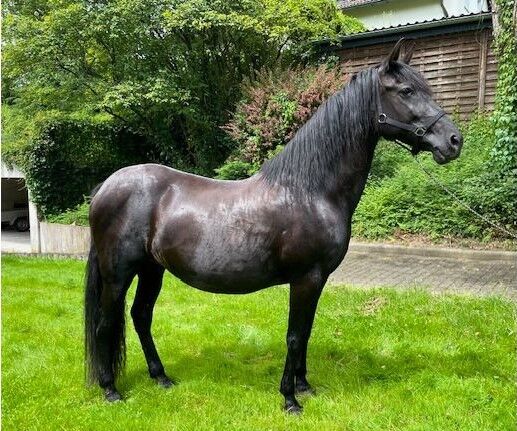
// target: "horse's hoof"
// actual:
[[112, 395], [164, 381], [293, 407]]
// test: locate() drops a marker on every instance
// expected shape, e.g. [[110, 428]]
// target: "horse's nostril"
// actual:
[[455, 140]]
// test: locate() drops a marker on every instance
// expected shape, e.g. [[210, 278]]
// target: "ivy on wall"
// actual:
[[504, 153]]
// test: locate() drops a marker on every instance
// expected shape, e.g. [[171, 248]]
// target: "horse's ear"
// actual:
[[407, 54], [393, 56]]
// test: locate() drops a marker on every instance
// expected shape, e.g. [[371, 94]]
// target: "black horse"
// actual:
[[289, 223]]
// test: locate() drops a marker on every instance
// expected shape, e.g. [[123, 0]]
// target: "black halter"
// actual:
[[417, 130]]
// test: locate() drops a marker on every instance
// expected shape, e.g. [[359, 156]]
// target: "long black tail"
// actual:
[[104, 346]]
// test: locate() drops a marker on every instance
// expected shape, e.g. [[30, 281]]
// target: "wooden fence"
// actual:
[[461, 68]]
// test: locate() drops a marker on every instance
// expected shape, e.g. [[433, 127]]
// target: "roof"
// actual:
[[346, 4], [380, 14], [474, 21]]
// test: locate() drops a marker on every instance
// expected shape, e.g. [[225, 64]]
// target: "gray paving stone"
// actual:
[[438, 274]]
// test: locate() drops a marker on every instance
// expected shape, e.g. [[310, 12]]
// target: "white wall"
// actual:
[[64, 239], [391, 13]]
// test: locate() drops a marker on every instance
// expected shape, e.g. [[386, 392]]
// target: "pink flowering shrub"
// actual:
[[272, 110]]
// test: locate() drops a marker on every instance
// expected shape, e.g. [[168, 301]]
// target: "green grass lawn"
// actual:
[[379, 360]]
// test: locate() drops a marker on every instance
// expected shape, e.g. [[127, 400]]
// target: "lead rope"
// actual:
[[453, 195]]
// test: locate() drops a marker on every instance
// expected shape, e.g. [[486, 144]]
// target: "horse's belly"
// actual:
[[229, 273], [216, 283], [224, 264]]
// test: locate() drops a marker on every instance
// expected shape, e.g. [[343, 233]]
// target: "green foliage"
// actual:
[[17, 131], [388, 160], [408, 202], [67, 159], [235, 170], [504, 152], [273, 108], [400, 197], [491, 189], [168, 70], [78, 215]]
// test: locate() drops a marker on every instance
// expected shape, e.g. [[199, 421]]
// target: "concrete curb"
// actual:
[[45, 255], [448, 253], [362, 248]]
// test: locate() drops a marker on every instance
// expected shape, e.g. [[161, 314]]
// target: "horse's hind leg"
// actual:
[[149, 286], [110, 336]]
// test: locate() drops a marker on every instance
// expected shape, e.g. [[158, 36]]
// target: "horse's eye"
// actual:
[[407, 91]]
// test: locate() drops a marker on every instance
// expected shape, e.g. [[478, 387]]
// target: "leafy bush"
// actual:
[[78, 215], [406, 199], [235, 170], [387, 160], [504, 152], [67, 159], [273, 108]]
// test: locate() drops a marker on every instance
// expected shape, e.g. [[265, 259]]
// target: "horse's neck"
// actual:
[[331, 155], [360, 137], [351, 174]]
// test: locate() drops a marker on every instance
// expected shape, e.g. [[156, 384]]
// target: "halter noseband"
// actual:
[[417, 130]]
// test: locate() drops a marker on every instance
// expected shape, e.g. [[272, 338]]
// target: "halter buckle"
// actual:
[[382, 118], [420, 131]]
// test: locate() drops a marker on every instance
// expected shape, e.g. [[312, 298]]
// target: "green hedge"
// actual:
[[78, 215], [504, 152], [68, 158]]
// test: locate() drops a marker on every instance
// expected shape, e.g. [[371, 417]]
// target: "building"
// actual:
[[453, 46], [15, 195], [380, 14]]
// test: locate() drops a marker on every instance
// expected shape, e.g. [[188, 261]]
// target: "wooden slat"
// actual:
[[452, 64]]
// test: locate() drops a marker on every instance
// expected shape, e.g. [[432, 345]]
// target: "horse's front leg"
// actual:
[[303, 300]]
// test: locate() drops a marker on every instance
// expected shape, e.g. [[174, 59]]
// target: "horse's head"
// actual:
[[407, 111]]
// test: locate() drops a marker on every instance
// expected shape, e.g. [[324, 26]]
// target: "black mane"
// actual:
[[343, 126]]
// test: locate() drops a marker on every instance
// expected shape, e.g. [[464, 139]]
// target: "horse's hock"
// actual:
[[64, 239]]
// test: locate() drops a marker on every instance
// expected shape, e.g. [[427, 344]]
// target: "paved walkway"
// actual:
[[16, 242], [377, 265], [480, 273]]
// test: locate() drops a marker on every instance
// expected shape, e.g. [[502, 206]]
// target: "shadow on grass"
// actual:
[[347, 369]]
